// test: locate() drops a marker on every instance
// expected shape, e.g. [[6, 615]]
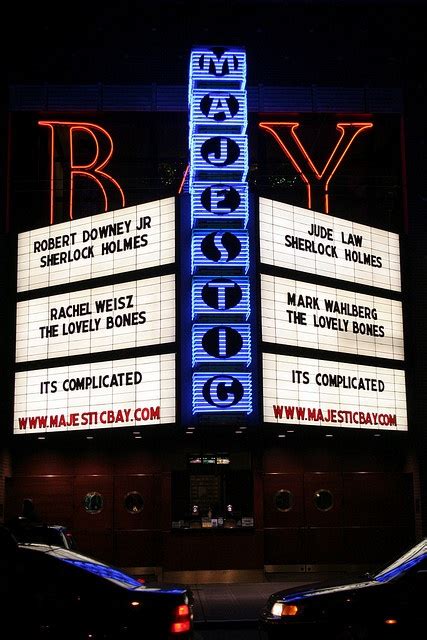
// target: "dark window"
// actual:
[[323, 499], [284, 500], [134, 502]]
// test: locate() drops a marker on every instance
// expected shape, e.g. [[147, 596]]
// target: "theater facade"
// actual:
[[210, 369]]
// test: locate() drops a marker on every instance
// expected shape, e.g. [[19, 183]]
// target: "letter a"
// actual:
[[93, 170]]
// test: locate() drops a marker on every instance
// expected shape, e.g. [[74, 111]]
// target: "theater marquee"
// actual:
[[115, 242], [332, 286], [120, 393], [64, 313], [312, 242], [119, 316], [306, 391], [308, 315]]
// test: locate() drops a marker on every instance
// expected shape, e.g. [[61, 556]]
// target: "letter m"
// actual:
[[218, 63]]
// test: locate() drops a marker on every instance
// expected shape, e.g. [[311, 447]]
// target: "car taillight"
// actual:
[[181, 619]]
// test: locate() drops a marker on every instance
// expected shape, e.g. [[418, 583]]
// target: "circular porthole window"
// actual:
[[134, 502], [284, 500], [323, 499], [93, 502]]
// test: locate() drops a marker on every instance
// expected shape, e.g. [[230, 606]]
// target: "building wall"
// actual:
[[371, 519]]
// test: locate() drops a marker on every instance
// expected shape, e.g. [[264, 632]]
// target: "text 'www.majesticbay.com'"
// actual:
[[338, 416], [90, 418]]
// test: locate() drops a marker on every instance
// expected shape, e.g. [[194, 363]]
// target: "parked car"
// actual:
[[388, 604], [52, 534], [54, 592]]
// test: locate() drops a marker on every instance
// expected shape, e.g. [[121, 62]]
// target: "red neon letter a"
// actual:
[[93, 170], [285, 135]]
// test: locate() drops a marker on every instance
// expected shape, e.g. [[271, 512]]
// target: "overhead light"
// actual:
[[290, 431], [329, 435], [41, 438], [238, 431], [282, 435], [89, 437]]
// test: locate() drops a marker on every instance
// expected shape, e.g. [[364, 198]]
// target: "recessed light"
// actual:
[[329, 435], [138, 438], [282, 435], [238, 431], [41, 438], [290, 431], [89, 437], [377, 435]]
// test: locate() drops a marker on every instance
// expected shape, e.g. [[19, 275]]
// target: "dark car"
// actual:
[[58, 593], [388, 604], [52, 534]]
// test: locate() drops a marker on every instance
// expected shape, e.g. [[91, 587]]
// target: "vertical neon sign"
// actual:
[[221, 332]]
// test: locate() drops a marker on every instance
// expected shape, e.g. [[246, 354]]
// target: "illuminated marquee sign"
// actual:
[[228, 248], [302, 314], [115, 242], [120, 393], [83, 290], [304, 240], [219, 205], [120, 316], [221, 295], [230, 343], [362, 318], [305, 391], [222, 381]]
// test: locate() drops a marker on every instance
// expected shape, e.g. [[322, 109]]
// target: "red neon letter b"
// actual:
[[93, 170]]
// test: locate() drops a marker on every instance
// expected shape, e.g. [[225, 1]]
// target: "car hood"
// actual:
[[322, 588]]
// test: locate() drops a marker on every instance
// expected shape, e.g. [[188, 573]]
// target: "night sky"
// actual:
[[288, 42]]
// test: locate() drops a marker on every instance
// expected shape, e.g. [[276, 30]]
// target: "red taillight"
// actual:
[[141, 580], [181, 619]]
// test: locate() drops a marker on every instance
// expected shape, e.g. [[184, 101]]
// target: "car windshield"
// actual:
[[414, 556]]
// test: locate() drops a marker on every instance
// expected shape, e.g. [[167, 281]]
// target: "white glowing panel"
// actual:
[[304, 240], [129, 394], [306, 392], [114, 242], [121, 316], [302, 314]]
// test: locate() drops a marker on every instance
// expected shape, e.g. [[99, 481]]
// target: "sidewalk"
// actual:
[[241, 603], [232, 603]]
